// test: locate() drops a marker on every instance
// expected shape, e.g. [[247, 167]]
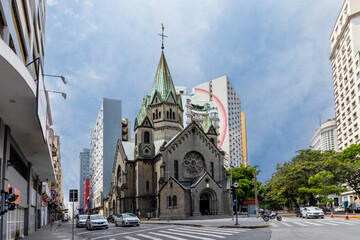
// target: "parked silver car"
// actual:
[[81, 221], [96, 221], [127, 219], [312, 212]]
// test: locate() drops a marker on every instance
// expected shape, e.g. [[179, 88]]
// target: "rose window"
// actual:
[[193, 163]]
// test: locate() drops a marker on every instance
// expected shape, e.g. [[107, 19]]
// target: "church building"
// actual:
[[169, 172]]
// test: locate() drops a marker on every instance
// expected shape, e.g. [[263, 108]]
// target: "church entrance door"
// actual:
[[205, 204]]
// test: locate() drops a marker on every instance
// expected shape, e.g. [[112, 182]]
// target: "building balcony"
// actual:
[[18, 101]]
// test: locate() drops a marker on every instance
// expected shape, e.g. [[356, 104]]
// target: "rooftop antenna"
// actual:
[[162, 37]]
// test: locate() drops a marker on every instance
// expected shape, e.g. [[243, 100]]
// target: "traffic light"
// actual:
[[11, 197]]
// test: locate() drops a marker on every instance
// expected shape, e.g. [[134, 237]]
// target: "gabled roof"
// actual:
[[163, 83], [182, 186], [202, 177]]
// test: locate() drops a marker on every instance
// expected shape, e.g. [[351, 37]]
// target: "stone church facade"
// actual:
[[169, 171]]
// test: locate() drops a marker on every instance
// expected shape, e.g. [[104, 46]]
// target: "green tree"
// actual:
[[350, 165], [245, 177], [309, 177]]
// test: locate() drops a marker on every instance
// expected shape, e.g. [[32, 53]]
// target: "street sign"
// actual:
[[236, 184], [73, 195]]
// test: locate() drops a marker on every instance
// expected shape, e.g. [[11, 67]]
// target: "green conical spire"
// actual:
[[206, 124], [142, 113], [163, 83]]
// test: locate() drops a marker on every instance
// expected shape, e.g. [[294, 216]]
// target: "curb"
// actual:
[[249, 227]]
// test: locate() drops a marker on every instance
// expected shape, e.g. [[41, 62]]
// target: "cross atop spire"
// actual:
[[162, 37]]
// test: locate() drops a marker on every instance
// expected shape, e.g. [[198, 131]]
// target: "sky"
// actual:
[[275, 53]]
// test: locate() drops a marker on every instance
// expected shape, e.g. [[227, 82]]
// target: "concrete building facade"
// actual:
[[25, 144], [345, 59], [103, 139], [84, 158], [325, 137]]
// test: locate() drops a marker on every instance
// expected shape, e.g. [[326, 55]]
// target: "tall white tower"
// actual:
[[345, 47]]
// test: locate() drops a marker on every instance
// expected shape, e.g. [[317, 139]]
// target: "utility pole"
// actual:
[[256, 196], [232, 202]]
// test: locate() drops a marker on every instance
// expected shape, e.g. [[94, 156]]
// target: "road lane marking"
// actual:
[[205, 231], [313, 223], [301, 224], [131, 238], [190, 236], [149, 237], [329, 223], [167, 236], [203, 234], [286, 224], [118, 234], [274, 225]]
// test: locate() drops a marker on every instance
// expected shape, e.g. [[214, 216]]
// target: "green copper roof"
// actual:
[[206, 124], [163, 83], [142, 113]]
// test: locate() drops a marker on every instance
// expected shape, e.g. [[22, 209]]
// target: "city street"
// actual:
[[327, 228], [167, 232]]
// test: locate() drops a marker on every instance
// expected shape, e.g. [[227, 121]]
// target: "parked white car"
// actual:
[[312, 212], [339, 209], [96, 221], [127, 219]]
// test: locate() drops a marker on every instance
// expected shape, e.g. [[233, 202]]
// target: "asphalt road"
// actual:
[[291, 228], [328, 229], [168, 232]]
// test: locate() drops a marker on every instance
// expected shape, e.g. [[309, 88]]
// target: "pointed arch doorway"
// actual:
[[205, 204]]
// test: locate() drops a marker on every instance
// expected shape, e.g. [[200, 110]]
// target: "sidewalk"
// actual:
[[244, 222], [45, 233]]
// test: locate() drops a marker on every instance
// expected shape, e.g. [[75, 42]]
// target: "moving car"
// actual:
[[81, 221], [96, 221], [312, 212], [127, 219]]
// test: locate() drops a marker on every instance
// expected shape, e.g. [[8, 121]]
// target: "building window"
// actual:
[[146, 137], [159, 114], [176, 170], [147, 185], [167, 114], [135, 138], [153, 115], [174, 201], [169, 201], [212, 140], [174, 115], [170, 113], [212, 169]]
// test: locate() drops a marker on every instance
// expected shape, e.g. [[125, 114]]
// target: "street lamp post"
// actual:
[[62, 93]]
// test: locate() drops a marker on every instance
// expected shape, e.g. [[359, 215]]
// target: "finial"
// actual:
[[162, 37]]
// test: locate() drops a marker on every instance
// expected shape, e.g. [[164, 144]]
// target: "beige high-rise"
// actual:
[[345, 46]]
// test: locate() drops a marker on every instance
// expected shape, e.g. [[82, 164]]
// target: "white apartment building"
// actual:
[[103, 139], [345, 46], [325, 137], [223, 104]]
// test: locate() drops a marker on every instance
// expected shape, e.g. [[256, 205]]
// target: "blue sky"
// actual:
[[275, 53]]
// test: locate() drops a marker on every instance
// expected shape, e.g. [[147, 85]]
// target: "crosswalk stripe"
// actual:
[[286, 224], [204, 234], [313, 223], [131, 238], [163, 235], [190, 236], [205, 230], [342, 222], [149, 237], [329, 223], [301, 224]]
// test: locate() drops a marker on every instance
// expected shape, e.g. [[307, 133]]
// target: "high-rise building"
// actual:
[[345, 58], [25, 144], [221, 100], [84, 173], [325, 137], [103, 140]]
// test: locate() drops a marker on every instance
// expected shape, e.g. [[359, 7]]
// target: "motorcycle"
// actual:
[[266, 216]]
